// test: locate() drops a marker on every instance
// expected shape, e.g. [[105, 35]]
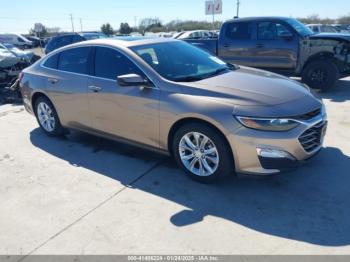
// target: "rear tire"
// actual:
[[320, 74], [202, 152], [47, 117]]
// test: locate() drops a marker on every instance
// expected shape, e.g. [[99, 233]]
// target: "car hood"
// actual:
[[256, 92], [22, 54], [331, 36]]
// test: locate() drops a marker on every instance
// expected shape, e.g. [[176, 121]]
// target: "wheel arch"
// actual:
[[35, 97], [325, 55], [183, 121]]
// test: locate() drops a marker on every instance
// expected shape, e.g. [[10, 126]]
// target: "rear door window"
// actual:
[[52, 62], [74, 60], [109, 63], [239, 31]]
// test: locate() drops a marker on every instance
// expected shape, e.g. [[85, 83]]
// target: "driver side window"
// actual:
[[109, 63], [272, 31]]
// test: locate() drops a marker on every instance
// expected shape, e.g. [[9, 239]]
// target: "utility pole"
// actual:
[[71, 19], [81, 25], [213, 15], [238, 4], [135, 20]]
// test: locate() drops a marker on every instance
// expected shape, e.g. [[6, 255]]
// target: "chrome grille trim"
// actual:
[[311, 139]]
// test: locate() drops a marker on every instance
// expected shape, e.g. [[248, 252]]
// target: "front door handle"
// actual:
[[260, 45], [53, 80], [226, 45], [95, 88]]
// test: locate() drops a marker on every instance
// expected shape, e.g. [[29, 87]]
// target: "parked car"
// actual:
[[196, 34], [93, 35], [170, 96], [62, 40], [7, 58], [17, 40], [319, 28], [178, 34], [166, 34], [25, 55], [11, 64], [344, 29], [37, 42], [282, 45]]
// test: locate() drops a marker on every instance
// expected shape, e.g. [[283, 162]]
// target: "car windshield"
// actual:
[[181, 62], [300, 27]]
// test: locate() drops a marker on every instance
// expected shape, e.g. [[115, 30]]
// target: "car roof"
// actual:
[[257, 18], [91, 33], [63, 35], [126, 41]]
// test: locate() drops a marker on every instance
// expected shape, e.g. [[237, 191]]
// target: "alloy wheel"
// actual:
[[199, 154], [46, 117]]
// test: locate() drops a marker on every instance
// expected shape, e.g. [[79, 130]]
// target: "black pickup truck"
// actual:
[[282, 45]]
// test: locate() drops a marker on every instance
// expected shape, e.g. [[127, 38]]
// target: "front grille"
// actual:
[[309, 115], [311, 139]]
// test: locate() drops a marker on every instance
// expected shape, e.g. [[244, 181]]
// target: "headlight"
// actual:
[[268, 124]]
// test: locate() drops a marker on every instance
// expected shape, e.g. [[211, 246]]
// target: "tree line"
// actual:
[[155, 25]]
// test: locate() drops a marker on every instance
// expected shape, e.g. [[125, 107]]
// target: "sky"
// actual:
[[18, 16]]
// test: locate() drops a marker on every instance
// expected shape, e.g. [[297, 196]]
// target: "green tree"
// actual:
[[151, 25], [125, 29], [107, 29]]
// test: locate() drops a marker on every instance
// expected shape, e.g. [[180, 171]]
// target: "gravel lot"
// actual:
[[87, 195]]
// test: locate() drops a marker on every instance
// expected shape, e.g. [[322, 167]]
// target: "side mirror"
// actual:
[[133, 80], [286, 35]]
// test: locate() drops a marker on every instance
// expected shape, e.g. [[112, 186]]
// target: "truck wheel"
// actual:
[[320, 74]]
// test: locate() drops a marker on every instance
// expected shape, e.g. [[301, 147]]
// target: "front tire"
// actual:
[[320, 74], [47, 117], [202, 152]]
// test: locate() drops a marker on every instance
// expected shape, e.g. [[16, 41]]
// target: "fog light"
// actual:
[[273, 153]]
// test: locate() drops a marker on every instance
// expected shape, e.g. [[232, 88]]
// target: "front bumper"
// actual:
[[285, 150]]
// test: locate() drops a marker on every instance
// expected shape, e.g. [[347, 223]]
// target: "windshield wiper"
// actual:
[[218, 71], [229, 67], [188, 79]]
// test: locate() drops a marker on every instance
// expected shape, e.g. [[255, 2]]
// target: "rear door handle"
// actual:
[[95, 88], [260, 45], [226, 45], [53, 80]]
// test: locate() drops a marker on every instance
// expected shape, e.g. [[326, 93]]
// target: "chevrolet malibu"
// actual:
[[214, 118]]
